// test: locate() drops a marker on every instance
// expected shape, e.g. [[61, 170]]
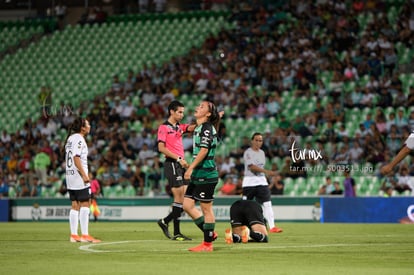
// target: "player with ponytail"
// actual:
[[203, 174], [77, 180]]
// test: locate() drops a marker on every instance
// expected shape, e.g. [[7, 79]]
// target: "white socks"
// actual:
[[82, 217], [84, 220], [268, 214], [73, 221]]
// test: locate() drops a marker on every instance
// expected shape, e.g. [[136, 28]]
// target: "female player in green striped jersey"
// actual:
[[203, 174]]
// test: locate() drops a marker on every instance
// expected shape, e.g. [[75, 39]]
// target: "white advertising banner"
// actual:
[[146, 212]]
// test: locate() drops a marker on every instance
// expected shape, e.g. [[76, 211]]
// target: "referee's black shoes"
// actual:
[[180, 237], [164, 228]]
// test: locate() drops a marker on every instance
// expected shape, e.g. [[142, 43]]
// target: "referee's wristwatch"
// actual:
[[179, 159]]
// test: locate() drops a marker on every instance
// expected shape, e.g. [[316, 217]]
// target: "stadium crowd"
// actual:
[[296, 49]]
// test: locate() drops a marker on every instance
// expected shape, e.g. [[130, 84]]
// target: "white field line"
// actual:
[[91, 247]]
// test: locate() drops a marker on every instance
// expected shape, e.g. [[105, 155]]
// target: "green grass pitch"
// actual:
[[141, 248]]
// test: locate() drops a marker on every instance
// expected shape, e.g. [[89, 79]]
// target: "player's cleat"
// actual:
[[180, 237], [89, 239], [164, 228], [203, 247], [245, 234], [75, 238], [276, 230], [228, 236]]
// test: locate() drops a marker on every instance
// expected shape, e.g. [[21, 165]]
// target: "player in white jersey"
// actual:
[[388, 168], [77, 180], [255, 185], [405, 151]]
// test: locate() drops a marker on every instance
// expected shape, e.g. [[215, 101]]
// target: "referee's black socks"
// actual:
[[177, 209]]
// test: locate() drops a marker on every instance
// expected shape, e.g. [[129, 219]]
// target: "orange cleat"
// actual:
[[245, 234], [75, 238], [276, 230], [228, 237], [89, 239], [203, 247]]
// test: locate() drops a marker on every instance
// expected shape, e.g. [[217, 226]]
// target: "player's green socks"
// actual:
[[208, 232], [200, 223]]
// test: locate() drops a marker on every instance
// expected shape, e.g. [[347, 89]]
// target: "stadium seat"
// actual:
[[363, 80], [407, 80], [129, 191], [108, 192], [48, 191], [349, 86], [289, 188], [362, 189], [313, 183], [301, 186], [12, 192], [278, 161]]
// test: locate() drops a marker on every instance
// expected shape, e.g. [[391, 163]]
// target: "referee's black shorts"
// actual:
[[174, 173]]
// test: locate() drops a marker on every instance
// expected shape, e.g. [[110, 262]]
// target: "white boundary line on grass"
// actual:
[[90, 247]]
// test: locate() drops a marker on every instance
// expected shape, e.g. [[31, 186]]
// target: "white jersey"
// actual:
[[410, 141], [410, 144], [258, 159], [410, 184], [76, 146]]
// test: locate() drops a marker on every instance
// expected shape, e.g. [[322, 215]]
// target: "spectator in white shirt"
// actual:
[[128, 110], [355, 153]]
